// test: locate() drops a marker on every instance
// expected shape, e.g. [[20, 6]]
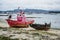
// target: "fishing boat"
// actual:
[[21, 21]]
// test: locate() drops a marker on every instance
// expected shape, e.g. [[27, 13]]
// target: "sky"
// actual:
[[30, 4]]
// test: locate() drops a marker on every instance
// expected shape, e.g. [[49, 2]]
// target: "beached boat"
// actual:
[[41, 26], [21, 21]]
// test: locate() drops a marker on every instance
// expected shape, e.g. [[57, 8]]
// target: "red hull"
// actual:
[[14, 23]]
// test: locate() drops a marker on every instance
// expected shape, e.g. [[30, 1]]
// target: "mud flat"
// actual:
[[22, 34]]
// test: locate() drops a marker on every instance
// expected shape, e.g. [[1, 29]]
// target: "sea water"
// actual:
[[54, 19]]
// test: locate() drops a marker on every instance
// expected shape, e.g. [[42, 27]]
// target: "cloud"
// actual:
[[36, 4]]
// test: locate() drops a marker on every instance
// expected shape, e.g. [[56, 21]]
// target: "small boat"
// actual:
[[21, 21], [41, 26]]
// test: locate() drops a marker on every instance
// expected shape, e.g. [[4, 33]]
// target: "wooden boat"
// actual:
[[41, 26]]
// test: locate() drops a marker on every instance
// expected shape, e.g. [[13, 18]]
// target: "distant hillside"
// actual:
[[29, 11], [0, 11], [54, 11], [34, 10], [25, 10]]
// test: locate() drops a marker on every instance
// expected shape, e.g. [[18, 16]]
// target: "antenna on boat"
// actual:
[[18, 8], [20, 12]]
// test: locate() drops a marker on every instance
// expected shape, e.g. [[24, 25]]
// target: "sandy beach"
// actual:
[[22, 34]]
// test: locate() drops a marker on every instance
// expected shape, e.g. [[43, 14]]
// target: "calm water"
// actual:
[[43, 18]]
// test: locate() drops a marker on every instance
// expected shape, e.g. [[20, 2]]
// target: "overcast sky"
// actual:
[[33, 4]]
